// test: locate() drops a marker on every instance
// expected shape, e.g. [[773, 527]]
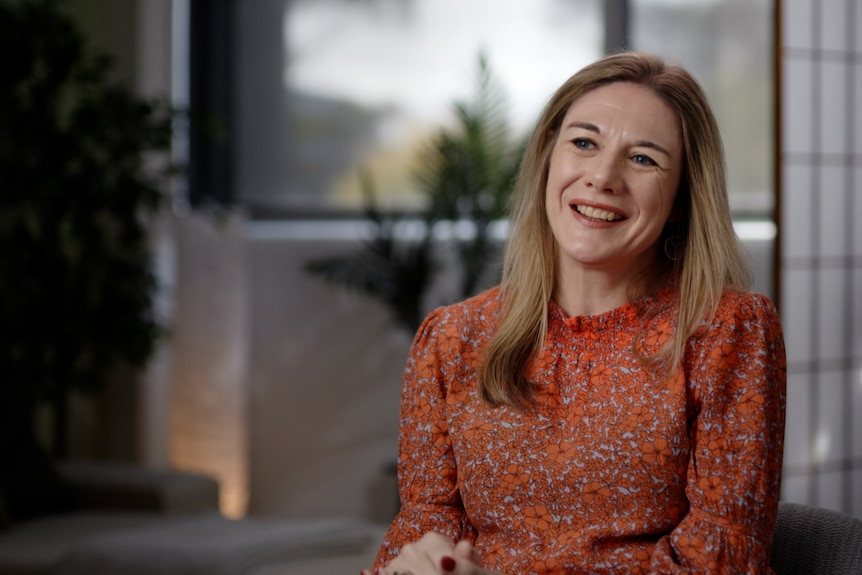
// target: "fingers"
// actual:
[[433, 554], [447, 565], [464, 560], [465, 550], [422, 557]]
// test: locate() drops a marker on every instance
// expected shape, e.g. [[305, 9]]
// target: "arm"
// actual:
[[737, 374], [427, 474]]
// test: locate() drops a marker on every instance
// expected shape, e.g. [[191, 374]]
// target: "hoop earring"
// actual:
[[671, 248]]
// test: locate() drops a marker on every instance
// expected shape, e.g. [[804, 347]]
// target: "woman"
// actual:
[[616, 405]]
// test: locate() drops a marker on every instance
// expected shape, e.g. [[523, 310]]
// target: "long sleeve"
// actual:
[[736, 377], [427, 474]]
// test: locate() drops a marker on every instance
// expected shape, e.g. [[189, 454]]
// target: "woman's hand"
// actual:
[[434, 554]]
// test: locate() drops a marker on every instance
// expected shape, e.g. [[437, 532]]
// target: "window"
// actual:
[[324, 89], [728, 46], [314, 92]]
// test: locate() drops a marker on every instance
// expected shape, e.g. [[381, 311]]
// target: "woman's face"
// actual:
[[613, 176]]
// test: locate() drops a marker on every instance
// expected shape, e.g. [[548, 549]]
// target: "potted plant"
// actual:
[[76, 284], [465, 175]]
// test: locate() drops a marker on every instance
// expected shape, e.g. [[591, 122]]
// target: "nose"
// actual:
[[603, 173]]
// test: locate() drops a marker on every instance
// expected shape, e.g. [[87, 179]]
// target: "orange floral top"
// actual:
[[613, 470]]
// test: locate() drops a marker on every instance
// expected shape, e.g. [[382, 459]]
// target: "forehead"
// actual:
[[631, 108]]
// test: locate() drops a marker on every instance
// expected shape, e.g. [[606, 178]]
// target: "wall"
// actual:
[[324, 385], [206, 410], [821, 250]]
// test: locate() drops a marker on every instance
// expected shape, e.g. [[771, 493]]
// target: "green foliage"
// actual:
[[76, 285], [465, 174], [393, 270]]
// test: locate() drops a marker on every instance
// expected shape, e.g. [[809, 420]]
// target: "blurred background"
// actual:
[[285, 386]]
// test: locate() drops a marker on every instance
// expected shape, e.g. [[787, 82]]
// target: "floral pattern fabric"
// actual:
[[613, 469]]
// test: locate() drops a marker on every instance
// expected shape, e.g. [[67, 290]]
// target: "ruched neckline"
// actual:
[[612, 320]]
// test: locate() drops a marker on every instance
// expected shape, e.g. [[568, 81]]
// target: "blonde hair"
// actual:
[[708, 260]]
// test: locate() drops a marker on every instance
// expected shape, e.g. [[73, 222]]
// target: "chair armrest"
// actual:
[[121, 486]]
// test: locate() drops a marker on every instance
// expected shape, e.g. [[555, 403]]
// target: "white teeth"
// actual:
[[597, 214]]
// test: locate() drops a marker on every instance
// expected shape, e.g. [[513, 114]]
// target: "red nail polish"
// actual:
[[447, 563]]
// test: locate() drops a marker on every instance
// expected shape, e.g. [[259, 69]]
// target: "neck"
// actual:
[[590, 294], [582, 291]]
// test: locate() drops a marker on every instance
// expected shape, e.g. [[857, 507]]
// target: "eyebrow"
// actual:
[[640, 143]]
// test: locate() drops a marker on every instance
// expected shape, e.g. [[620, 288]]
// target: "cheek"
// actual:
[[554, 184], [562, 169], [664, 200], [552, 203]]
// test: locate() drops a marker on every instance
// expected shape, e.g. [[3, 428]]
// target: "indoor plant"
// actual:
[[465, 175], [76, 284]]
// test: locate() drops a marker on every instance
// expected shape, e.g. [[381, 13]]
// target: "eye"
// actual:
[[583, 143], [643, 160]]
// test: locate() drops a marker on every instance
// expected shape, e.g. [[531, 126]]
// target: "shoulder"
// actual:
[[744, 306], [473, 315], [738, 357], [451, 337], [741, 316]]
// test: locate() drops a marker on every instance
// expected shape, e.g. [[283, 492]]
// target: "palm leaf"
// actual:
[[464, 173]]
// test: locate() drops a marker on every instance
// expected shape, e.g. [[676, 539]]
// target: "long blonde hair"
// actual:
[[708, 258]]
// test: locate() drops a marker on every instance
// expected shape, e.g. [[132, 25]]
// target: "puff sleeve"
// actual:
[[736, 374], [427, 474]]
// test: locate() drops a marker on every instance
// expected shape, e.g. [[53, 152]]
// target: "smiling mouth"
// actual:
[[597, 214]]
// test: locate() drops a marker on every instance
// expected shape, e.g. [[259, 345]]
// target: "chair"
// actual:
[[815, 541]]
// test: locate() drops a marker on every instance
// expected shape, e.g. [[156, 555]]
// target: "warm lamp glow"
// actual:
[[210, 345]]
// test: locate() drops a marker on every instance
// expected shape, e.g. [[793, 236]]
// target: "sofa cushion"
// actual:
[[214, 545], [36, 546], [128, 487]]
